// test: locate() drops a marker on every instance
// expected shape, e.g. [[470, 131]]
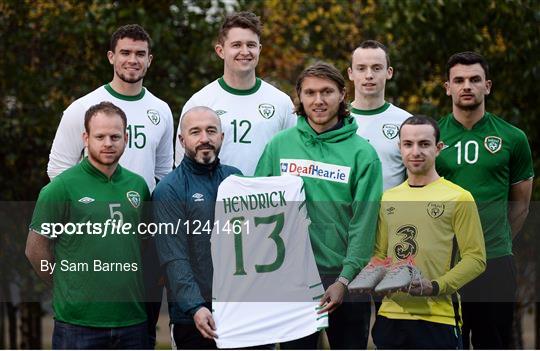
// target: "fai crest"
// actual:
[[435, 210], [267, 110], [153, 116], [134, 198], [493, 143], [390, 130]]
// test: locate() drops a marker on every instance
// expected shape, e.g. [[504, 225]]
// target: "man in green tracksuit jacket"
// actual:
[[343, 180]]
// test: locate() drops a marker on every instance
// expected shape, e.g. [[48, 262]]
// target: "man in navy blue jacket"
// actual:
[[185, 199]]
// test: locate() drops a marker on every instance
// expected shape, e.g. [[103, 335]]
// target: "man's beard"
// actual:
[[95, 157], [130, 80], [204, 159]]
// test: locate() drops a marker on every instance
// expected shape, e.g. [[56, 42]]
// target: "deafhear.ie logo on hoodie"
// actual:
[[314, 169]]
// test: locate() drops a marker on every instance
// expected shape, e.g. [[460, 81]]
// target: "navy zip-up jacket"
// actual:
[[186, 198]]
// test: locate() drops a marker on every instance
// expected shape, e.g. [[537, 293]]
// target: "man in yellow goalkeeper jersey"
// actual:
[[433, 224]]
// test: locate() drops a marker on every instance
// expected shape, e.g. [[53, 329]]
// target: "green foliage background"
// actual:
[[54, 51]]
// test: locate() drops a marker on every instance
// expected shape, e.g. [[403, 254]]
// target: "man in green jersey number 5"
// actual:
[[490, 158], [95, 271]]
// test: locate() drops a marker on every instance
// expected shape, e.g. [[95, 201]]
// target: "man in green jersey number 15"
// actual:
[[95, 271], [490, 158], [251, 110]]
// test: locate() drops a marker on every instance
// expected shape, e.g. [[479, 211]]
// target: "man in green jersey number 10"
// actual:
[[97, 279], [490, 158]]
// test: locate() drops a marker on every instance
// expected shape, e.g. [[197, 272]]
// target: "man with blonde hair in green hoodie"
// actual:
[[343, 182]]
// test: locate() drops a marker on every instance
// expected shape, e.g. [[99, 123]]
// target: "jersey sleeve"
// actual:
[[521, 165], [51, 209], [68, 145], [363, 225], [179, 149], [173, 249], [290, 117], [381, 240], [164, 151], [470, 241]]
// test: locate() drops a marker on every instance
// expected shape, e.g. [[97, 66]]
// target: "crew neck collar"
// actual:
[[122, 96], [234, 91]]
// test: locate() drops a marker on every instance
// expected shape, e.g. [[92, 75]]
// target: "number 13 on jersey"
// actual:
[[279, 220]]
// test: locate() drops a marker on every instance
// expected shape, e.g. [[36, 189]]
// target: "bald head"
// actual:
[[196, 112], [201, 135]]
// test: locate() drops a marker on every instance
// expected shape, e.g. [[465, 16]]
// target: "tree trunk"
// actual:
[[31, 325], [2, 325], [537, 324], [12, 324], [517, 327]]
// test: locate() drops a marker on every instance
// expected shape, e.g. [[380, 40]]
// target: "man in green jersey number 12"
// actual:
[[491, 158], [95, 272], [251, 110]]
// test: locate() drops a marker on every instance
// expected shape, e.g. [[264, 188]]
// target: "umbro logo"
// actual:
[[220, 112], [390, 210], [86, 200], [444, 146], [198, 197]]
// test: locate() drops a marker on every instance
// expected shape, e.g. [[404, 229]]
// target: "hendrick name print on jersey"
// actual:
[[314, 169], [254, 201]]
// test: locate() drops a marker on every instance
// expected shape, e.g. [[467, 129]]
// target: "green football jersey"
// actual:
[[97, 273], [486, 161]]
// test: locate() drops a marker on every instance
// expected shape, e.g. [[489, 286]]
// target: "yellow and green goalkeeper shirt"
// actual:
[[439, 227]]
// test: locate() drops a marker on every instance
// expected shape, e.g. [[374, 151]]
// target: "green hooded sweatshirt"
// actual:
[[343, 183]]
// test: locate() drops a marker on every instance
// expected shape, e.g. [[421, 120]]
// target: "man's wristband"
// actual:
[[343, 281], [434, 288]]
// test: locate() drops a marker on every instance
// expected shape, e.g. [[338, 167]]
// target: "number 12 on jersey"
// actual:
[[279, 220], [237, 126]]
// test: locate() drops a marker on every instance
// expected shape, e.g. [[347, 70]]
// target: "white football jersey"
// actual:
[[381, 127], [249, 118], [266, 286], [149, 150]]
